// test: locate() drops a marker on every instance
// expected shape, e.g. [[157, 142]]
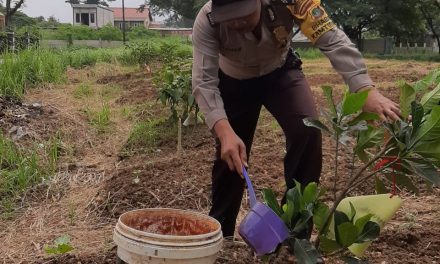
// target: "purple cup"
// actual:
[[262, 229]]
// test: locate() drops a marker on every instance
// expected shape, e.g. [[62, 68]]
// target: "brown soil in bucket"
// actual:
[[169, 223]]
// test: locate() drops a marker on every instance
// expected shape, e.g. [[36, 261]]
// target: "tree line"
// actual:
[[404, 20]]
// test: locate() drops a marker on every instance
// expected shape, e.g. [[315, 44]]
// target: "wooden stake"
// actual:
[[179, 137]]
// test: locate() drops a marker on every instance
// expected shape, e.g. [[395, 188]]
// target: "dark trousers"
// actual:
[[286, 94]]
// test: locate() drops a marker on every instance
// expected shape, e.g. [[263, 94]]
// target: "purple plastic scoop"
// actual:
[[261, 229]]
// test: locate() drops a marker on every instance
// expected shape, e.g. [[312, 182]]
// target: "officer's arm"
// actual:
[[205, 70], [317, 26], [345, 58]]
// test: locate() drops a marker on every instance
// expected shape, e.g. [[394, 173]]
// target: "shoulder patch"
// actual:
[[313, 19]]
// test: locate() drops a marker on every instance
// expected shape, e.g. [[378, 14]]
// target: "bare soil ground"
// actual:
[[95, 183]]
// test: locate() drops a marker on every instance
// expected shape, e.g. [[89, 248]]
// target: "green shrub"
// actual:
[[29, 68], [109, 32], [21, 169], [147, 134], [311, 53], [141, 33]]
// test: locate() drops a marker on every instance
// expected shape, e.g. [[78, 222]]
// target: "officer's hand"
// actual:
[[233, 150], [387, 110]]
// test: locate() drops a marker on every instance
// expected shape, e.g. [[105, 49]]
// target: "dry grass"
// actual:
[[69, 203]]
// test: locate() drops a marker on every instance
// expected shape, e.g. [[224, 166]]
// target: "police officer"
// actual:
[[243, 61]]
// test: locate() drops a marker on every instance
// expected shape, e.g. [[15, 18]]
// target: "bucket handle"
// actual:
[[252, 196]]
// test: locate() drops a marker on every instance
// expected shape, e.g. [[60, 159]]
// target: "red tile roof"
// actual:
[[130, 13]]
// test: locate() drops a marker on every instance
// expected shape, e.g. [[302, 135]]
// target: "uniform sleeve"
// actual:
[[317, 26], [345, 59], [205, 70]]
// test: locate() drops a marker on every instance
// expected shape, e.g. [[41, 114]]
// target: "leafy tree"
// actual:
[[180, 13], [430, 10], [399, 19], [10, 8], [354, 16]]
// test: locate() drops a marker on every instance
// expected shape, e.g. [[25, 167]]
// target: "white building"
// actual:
[[94, 16]]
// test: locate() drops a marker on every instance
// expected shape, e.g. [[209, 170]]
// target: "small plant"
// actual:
[[397, 152], [84, 90], [142, 52], [61, 246], [175, 90], [146, 134], [72, 214], [100, 120]]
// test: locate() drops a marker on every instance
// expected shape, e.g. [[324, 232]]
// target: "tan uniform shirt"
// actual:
[[242, 56]]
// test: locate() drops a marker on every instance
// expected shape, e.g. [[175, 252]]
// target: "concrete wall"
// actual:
[[81, 43], [105, 16]]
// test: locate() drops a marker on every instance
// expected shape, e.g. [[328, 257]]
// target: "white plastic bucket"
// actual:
[[196, 238]]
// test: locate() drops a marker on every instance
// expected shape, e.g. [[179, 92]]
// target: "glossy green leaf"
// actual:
[[417, 114], [271, 201], [347, 234], [429, 100], [305, 252], [407, 95], [288, 213], [353, 102], [430, 129], [352, 212], [367, 139], [328, 93], [427, 81], [364, 116], [429, 150], [310, 122], [403, 181], [370, 232], [360, 222], [341, 218], [320, 214], [425, 169], [310, 193], [328, 245], [380, 186], [303, 222]]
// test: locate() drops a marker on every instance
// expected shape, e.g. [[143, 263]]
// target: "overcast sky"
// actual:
[[61, 10]]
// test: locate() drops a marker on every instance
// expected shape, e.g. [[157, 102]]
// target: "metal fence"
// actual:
[[415, 48], [12, 42]]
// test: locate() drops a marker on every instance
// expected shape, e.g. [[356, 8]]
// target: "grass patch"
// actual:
[[128, 112], [84, 90], [111, 91], [147, 135], [310, 53], [100, 119], [416, 57], [23, 168], [28, 69]]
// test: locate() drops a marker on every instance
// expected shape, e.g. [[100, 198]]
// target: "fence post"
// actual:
[[28, 40], [11, 41], [388, 45]]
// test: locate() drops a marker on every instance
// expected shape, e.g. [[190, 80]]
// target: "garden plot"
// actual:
[[104, 169]]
